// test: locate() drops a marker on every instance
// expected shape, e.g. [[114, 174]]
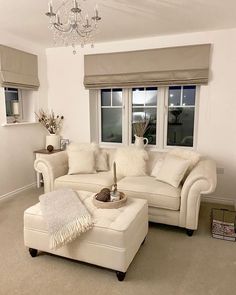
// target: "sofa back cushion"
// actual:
[[100, 156], [81, 162], [153, 156], [131, 161], [173, 170]]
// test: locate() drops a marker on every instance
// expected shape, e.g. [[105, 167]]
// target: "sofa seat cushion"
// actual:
[[157, 193], [88, 182]]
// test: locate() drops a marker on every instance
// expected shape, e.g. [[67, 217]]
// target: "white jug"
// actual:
[[139, 141]]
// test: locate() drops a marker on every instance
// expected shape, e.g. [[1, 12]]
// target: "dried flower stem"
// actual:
[[140, 127], [51, 122]]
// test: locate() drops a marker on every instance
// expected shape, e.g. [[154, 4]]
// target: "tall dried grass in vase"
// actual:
[[50, 121], [140, 127]]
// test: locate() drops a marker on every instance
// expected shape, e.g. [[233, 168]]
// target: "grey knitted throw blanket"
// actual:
[[65, 215]]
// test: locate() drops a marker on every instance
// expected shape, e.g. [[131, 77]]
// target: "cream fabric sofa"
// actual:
[[167, 204]]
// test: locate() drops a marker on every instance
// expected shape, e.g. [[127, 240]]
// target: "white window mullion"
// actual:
[[130, 116], [165, 121], [125, 112], [196, 116], [161, 117], [99, 116]]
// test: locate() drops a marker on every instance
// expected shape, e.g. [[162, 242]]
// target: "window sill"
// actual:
[[18, 124]]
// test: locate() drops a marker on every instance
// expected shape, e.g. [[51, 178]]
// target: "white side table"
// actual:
[[42, 154]]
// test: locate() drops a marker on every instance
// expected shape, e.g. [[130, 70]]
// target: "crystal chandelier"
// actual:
[[71, 25]]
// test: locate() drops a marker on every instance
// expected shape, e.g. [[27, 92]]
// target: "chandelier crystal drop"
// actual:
[[70, 24]]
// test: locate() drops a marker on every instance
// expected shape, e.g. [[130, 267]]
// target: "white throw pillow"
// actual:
[[157, 167], [81, 162], [102, 161], [173, 170], [101, 158], [131, 161], [192, 156], [83, 147]]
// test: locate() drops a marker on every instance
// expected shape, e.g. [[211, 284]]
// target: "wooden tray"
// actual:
[[110, 205]]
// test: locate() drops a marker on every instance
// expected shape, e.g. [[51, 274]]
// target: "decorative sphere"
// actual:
[[50, 148], [103, 195]]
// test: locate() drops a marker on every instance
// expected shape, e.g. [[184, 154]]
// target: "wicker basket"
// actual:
[[110, 205], [223, 224]]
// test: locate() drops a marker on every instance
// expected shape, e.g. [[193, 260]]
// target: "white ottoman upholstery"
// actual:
[[112, 242]]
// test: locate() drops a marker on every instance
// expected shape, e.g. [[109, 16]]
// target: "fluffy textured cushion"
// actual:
[[173, 170], [131, 161], [81, 162], [101, 158], [102, 161], [157, 167], [192, 156]]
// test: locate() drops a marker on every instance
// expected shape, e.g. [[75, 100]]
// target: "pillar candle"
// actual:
[[114, 172], [15, 108]]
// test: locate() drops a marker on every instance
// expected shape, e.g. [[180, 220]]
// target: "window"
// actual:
[[144, 107], [181, 112], [111, 115], [12, 102], [171, 112], [19, 105]]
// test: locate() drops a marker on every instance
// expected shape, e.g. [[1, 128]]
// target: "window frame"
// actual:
[[100, 119], [161, 123], [196, 115], [130, 90], [10, 119]]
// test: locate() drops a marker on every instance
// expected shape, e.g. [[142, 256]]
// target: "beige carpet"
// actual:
[[168, 263]]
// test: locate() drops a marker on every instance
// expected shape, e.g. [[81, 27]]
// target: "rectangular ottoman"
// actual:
[[112, 242]]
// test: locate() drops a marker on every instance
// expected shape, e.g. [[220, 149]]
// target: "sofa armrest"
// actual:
[[201, 180], [51, 167]]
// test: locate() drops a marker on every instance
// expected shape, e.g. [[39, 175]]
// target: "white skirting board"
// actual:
[[24, 188]]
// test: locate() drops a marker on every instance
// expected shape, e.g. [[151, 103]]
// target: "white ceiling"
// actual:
[[123, 19]]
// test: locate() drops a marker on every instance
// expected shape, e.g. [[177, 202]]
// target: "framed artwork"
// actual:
[[64, 143]]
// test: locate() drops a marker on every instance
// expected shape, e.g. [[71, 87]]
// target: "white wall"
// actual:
[[217, 117], [17, 143]]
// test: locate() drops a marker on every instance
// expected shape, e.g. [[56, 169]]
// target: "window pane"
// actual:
[[11, 94], [189, 95], [174, 95], [142, 114], [138, 97], [112, 125], [117, 97], [106, 97], [151, 96], [180, 126]]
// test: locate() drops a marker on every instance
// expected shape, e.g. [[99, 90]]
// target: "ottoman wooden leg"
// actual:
[[33, 252], [189, 232], [120, 275]]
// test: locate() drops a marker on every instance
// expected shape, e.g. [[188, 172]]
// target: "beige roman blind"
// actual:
[[18, 69], [166, 66]]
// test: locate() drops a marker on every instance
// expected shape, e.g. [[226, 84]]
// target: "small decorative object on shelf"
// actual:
[[223, 224], [64, 142], [50, 148], [53, 124]]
